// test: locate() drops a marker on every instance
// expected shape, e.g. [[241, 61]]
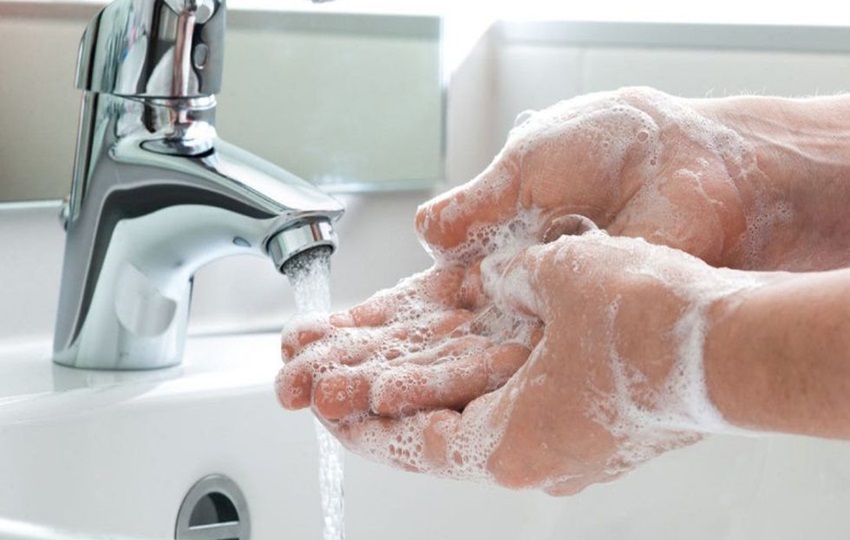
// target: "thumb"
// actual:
[[455, 224], [513, 280]]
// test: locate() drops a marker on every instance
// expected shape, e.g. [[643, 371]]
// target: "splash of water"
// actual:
[[309, 274]]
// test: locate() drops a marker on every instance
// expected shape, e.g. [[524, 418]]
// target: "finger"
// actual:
[[410, 299], [297, 378], [346, 392], [568, 225], [300, 332], [450, 384], [452, 348], [353, 346], [343, 393], [457, 219], [404, 341], [292, 385], [405, 338], [443, 443], [513, 281]]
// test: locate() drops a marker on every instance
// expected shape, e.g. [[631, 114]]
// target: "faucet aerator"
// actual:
[[287, 244]]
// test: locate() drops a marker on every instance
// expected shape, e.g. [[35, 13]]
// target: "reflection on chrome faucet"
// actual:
[[155, 193]]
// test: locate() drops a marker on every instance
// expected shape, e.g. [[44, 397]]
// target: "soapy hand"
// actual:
[[522, 357], [636, 162], [594, 399], [438, 327]]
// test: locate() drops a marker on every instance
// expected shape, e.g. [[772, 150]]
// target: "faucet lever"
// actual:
[[165, 49]]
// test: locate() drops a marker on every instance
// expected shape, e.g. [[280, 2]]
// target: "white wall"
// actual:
[[332, 98], [39, 106], [533, 71]]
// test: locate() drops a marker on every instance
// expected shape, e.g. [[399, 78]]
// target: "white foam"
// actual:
[[448, 450]]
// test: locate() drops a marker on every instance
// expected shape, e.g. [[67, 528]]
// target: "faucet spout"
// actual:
[[155, 196]]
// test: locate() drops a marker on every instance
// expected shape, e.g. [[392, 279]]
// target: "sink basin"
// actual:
[[115, 453], [112, 455]]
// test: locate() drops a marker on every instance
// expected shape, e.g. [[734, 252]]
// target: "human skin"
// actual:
[[777, 360], [745, 183]]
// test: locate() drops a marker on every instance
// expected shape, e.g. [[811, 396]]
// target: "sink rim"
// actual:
[[33, 388]]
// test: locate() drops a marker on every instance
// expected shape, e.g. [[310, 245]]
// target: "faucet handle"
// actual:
[[154, 48]]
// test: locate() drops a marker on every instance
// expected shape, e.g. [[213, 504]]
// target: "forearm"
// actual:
[[778, 358], [802, 152]]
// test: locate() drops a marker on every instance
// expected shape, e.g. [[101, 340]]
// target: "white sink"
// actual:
[[114, 454]]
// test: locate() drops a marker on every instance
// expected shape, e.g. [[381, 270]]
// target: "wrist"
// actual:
[[710, 333], [775, 355], [796, 193], [727, 391]]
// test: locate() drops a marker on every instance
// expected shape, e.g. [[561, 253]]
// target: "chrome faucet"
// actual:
[[156, 194]]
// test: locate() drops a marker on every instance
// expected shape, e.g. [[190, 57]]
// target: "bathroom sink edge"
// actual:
[[32, 387]]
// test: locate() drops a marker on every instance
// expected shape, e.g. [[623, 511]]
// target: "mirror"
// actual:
[[350, 101]]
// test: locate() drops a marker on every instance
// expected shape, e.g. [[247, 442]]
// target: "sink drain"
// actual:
[[214, 509]]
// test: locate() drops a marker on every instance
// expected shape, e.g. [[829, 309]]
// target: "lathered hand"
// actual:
[[750, 183], [533, 355], [616, 379]]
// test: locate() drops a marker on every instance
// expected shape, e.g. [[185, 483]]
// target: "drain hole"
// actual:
[[213, 509]]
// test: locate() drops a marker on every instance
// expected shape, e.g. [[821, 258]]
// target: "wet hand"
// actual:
[[439, 328], [615, 380], [636, 162]]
